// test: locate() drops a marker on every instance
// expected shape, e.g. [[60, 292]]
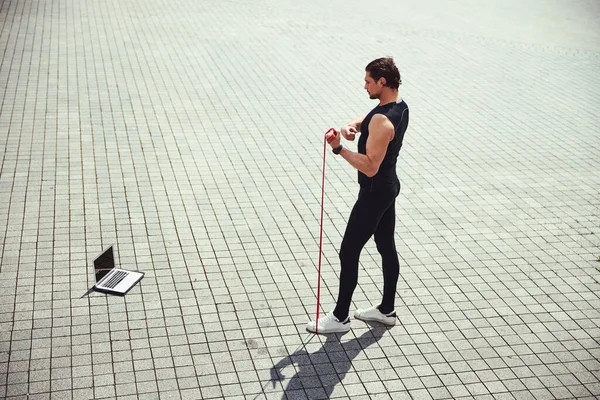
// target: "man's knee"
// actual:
[[348, 253], [385, 245]]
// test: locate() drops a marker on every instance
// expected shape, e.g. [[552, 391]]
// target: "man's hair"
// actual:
[[385, 68]]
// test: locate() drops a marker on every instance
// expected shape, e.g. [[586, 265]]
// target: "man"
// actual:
[[381, 134]]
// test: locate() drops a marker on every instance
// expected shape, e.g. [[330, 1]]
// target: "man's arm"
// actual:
[[381, 132]]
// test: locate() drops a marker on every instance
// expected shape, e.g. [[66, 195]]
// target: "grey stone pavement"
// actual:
[[189, 134]]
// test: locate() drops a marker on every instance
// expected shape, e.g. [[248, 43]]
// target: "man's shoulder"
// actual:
[[379, 118], [381, 122], [399, 109], [400, 104]]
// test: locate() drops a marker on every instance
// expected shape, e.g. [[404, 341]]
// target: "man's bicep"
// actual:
[[380, 131]]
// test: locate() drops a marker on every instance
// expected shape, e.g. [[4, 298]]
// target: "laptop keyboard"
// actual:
[[114, 280]]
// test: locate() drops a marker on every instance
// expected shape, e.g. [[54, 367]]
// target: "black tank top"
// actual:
[[397, 113]]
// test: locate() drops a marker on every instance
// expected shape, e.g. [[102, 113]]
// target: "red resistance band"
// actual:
[[327, 138]]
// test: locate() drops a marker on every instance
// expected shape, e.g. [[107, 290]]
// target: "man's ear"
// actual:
[[382, 81]]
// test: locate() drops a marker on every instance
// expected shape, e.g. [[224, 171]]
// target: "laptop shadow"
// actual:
[[90, 290]]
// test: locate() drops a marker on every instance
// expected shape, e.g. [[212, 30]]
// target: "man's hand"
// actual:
[[333, 138], [348, 132], [276, 375]]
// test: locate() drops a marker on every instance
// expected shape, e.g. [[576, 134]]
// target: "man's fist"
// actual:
[[333, 138], [348, 132]]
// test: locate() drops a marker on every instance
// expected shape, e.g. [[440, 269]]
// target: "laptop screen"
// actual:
[[104, 263]]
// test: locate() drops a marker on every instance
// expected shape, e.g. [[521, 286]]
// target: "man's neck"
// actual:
[[388, 96]]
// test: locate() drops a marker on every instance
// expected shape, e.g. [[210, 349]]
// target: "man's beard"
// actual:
[[373, 96]]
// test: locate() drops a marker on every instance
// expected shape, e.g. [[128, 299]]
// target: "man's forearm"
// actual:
[[356, 123], [359, 161]]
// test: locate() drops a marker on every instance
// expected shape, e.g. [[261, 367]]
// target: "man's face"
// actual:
[[372, 87]]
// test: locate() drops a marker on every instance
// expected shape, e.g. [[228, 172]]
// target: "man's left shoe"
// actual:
[[329, 324], [372, 314]]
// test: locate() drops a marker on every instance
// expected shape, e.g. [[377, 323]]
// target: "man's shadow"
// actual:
[[323, 369]]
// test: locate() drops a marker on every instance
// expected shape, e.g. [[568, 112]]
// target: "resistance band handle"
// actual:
[[330, 135]]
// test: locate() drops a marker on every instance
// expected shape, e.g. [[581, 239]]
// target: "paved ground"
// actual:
[[189, 135]]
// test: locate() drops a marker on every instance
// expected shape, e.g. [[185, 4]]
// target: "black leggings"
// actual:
[[373, 214]]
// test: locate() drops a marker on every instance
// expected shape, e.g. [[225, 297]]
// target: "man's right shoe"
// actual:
[[374, 315], [329, 324]]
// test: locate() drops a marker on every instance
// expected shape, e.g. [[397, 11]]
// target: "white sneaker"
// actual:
[[329, 324], [373, 314]]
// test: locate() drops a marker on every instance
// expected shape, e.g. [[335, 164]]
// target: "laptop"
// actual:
[[110, 279]]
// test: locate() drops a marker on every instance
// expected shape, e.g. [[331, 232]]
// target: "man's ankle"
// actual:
[[337, 315], [385, 311]]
